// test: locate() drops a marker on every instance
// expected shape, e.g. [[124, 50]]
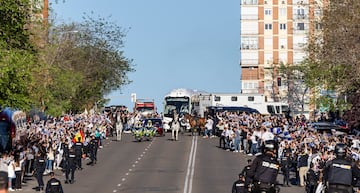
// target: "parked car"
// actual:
[[157, 124], [328, 127]]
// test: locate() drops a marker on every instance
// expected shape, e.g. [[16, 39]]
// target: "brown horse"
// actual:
[[196, 123]]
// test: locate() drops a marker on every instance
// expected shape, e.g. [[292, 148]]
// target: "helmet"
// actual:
[[340, 150], [269, 145]]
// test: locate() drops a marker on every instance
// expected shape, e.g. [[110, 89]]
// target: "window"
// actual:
[[282, 26], [217, 98], [249, 2], [268, 26], [251, 98], [318, 26], [249, 43], [283, 42], [268, 42], [233, 98], [267, 11], [300, 26], [282, 11]]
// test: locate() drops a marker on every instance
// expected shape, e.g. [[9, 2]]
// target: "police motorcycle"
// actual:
[[149, 131], [138, 132]]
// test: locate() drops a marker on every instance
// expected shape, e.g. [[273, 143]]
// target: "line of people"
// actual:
[[44, 147]]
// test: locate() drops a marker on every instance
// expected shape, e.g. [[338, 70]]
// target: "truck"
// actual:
[[145, 106]]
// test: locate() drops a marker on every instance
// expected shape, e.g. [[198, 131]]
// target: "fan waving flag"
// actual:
[[80, 134]]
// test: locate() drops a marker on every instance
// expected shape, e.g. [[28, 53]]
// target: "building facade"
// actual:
[[273, 32]]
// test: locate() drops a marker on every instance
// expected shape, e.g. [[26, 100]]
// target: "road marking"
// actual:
[[114, 190], [123, 179], [136, 162], [119, 185], [127, 174], [191, 166], [130, 169]]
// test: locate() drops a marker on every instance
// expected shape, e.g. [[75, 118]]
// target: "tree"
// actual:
[[334, 55], [92, 49], [298, 90], [15, 78], [17, 56]]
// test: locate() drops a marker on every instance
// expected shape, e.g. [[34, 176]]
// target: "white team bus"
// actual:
[[183, 101]]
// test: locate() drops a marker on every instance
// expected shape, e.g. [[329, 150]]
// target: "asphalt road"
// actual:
[[190, 165]]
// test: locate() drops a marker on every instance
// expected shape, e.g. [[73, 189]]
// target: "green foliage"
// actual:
[[92, 49], [334, 54], [14, 18], [75, 67], [15, 78]]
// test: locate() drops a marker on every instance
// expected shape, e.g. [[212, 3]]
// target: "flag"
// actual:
[[80, 134]]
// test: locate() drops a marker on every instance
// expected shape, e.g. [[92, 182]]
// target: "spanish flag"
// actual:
[[80, 134]]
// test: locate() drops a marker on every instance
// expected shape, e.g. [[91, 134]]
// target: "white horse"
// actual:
[[118, 127], [175, 127]]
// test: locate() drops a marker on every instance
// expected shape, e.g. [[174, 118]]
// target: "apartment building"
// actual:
[[273, 32]]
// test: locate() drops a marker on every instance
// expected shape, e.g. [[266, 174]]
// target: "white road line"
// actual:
[[188, 173], [119, 185], [123, 179], [193, 166]]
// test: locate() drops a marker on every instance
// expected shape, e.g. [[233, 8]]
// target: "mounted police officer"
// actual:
[[70, 167], [264, 170], [339, 172], [79, 151], [53, 185]]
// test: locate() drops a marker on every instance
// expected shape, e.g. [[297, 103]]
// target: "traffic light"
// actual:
[[279, 81]]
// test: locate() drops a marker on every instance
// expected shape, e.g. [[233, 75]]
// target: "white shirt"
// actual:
[[267, 136]]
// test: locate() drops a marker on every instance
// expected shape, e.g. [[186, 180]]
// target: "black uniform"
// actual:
[[311, 181], [65, 148], [339, 174], [39, 171], [285, 167], [263, 173], [239, 186], [93, 150], [54, 186], [70, 167], [78, 146]]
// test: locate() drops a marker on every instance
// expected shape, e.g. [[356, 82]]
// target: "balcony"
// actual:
[[249, 62], [249, 2], [300, 16], [249, 17], [250, 91]]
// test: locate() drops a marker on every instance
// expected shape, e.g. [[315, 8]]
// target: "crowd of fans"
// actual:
[[47, 138], [302, 149]]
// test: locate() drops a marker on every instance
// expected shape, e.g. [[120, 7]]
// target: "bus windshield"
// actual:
[[180, 104]]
